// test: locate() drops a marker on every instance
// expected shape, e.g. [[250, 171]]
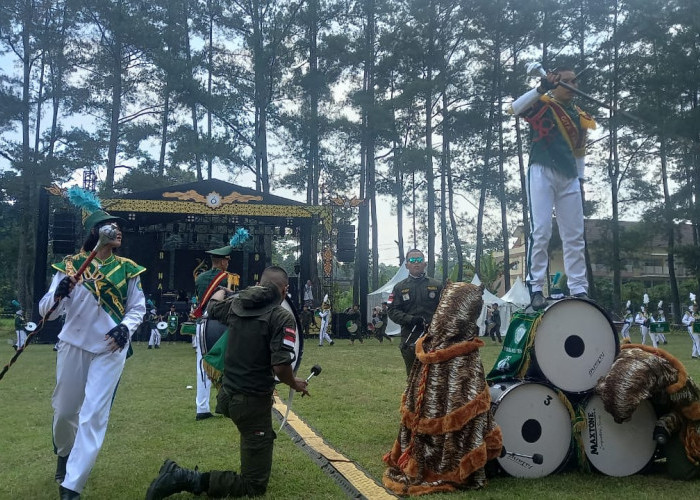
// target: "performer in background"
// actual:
[[154, 339], [102, 311], [555, 179], [325, 315], [261, 349], [412, 304], [495, 330], [627, 324], [308, 294], [173, 320], [690, 317], [307, 317], [642, 319], [19, 329], [660, 318], [206, 285]]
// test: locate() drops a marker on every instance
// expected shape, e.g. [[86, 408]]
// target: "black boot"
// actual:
[[61, 469], [66, 494], [173, 479]]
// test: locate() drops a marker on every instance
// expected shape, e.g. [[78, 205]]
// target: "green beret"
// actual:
[[220, 252], [100, 216]]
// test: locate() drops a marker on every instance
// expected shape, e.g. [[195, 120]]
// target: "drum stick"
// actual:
[[536, 458], [315, 371]]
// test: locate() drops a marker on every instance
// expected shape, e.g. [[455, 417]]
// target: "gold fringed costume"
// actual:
[[447, 431], [642, 372]]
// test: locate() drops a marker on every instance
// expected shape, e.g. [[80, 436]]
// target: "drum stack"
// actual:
[[551, 412]]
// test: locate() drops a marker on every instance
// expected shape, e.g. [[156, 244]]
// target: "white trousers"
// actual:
[[547, 189], [644, 330], [695, 339], [82, 399], [21, 338], [322, 335], [203, 383], [155, 337]]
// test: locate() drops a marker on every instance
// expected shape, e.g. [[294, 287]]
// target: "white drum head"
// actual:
[[575, 345], [619, 449], [162, 325], [533, 420], [30, 326]]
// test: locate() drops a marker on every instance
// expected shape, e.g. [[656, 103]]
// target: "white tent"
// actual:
[[489, 299], [381, 294], [518, 294]]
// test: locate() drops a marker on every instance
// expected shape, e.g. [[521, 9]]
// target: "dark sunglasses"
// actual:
[[414, 260]]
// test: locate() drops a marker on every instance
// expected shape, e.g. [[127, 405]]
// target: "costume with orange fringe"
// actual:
[[447, 431]]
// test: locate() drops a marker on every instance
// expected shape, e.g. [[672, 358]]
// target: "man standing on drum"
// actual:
[[412, 304], [205, 285], [261, 349], [555, 179]]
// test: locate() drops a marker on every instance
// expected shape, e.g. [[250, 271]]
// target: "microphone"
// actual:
[[536, 458]]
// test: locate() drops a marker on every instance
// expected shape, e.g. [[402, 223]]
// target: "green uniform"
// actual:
[[261, 335], [411, 298], [202, 282]]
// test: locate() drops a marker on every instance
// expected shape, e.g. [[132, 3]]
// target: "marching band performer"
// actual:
[[19, 329], [643, 320], [324, 314], [660, 318], [689, 319], [555, 179], [154, 339], [102, 311], [625, 333]]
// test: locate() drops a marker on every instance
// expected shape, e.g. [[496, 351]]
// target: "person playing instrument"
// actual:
[[262, 348], [353, 317], [412, 304], [173, 320], [555, 179], [206, 285], [154, 339], [19, 329], [379, 319], [102, 312], [660, 318], [627, 325], [689, 318], [307, 317], [325, 315]]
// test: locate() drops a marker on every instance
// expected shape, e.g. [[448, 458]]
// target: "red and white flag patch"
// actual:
[[290, 337], [390, 299]]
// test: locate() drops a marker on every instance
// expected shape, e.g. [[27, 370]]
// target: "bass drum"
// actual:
[[533, 420], [209, 331], [575, 344], [618, 449]]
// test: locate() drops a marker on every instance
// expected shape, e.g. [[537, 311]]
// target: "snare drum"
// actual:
[[162, 327], [575, 344], [188, 328], [618, 449], [533, 420]]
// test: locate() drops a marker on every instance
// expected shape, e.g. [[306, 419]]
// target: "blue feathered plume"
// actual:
[[16, 304], [241, 236], [556, 278], [83, 199]]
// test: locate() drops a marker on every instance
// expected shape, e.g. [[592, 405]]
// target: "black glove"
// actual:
[[545, 85], [417, 321], [120, 334], [63, 289]]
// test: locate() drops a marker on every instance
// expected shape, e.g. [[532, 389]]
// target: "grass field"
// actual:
[[354, 406]]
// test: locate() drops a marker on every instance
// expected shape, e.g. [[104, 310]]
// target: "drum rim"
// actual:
[[608, 318], [162, 325]]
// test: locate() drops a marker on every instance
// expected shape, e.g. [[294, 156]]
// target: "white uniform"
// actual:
[[203, 383], [87, 374], [322, 334], [641, 319], [20, 333], [154, 340], [625, 333], [689, 321]]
